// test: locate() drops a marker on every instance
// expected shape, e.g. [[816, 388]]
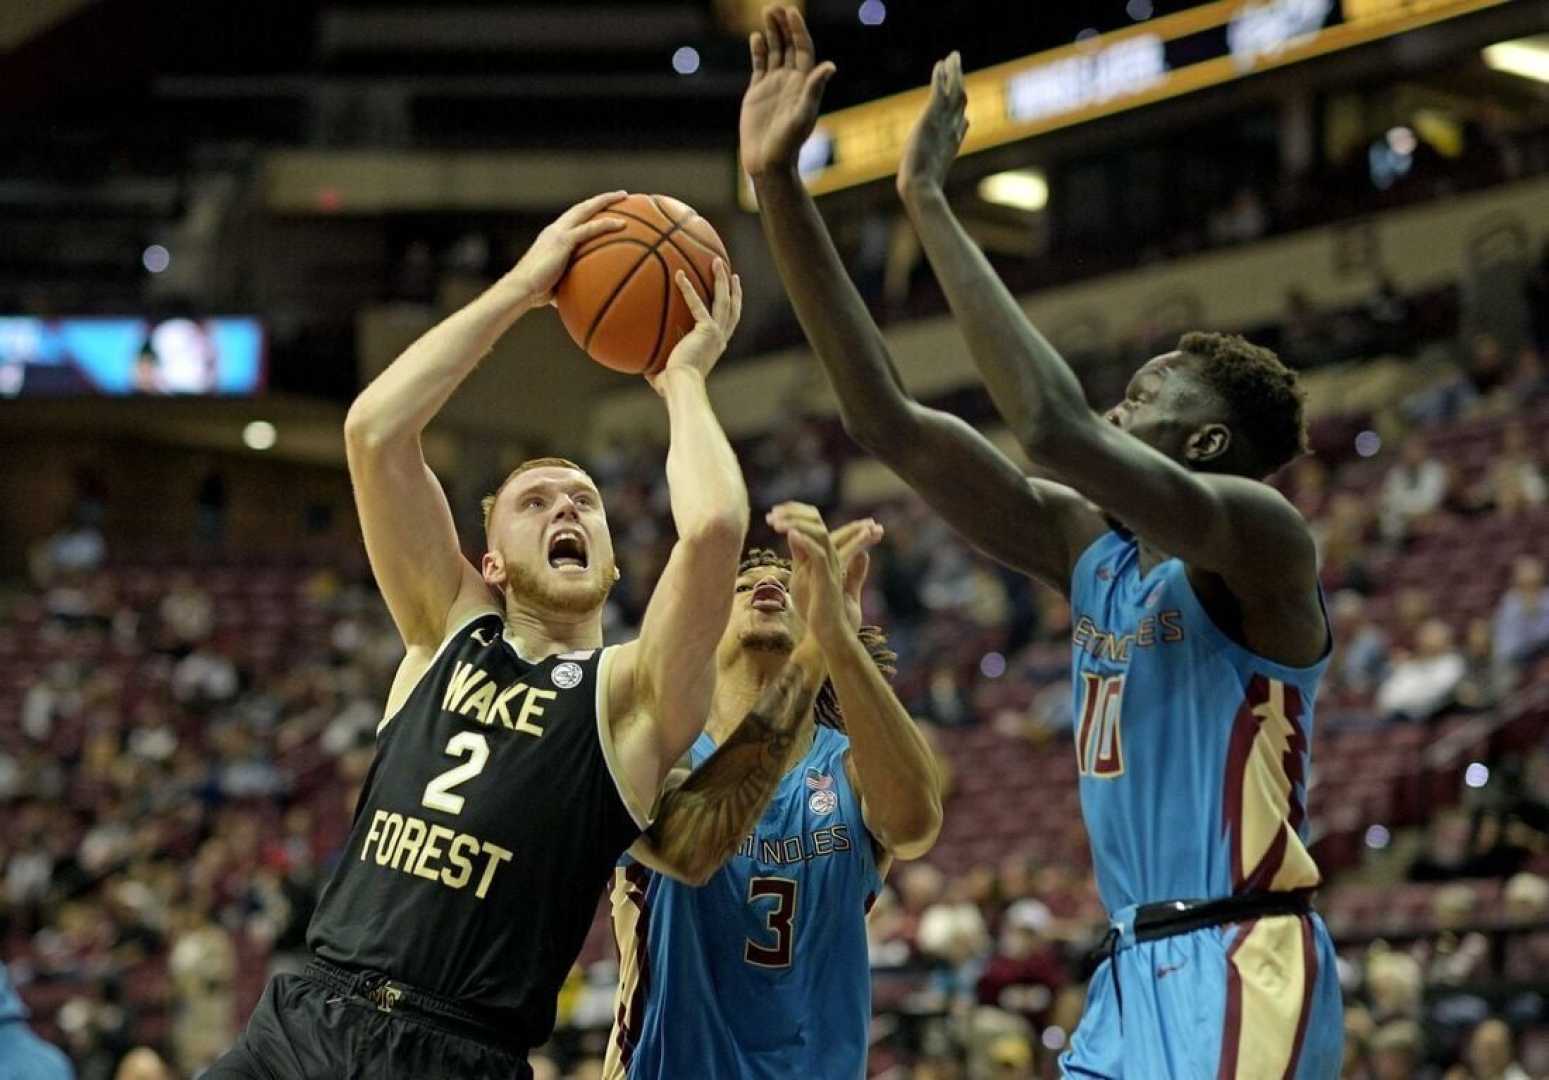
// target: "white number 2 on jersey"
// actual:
[[438, 793]]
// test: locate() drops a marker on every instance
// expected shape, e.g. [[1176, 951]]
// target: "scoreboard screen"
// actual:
[[62, 357], [1148, 62]]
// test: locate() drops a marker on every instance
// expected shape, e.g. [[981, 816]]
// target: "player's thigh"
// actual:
[[1238, 1001], [298, 1031], [1096, 1048]]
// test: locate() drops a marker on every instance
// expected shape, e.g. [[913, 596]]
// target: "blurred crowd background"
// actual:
[[193, 657]]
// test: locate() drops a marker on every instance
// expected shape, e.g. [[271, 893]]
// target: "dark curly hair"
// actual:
[[826, 708], [1262, 396]]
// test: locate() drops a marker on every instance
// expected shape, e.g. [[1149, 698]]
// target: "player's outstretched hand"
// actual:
[[820, 582], [780, 107], [853, 541], [938, 133], [702, 346], [536, 275]]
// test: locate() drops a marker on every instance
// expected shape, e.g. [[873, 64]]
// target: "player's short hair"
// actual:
[[487, 504], [1262, 395], [826, 707]]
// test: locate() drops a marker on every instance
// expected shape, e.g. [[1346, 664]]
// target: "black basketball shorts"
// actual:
[[303, 1030]]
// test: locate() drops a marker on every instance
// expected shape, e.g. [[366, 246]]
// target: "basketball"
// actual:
[[618, 299]]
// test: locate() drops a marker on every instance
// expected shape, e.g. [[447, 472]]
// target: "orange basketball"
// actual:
[[618, 298]]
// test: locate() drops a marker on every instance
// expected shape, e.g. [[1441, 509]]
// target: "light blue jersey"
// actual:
[[24, 1056], [1193, 756], [763, 971]]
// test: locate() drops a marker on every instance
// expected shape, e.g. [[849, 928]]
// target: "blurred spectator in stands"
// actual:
[[1412, 492], [1486, 680], [55, 697], [76, 549], [1358, 1033], [946, 699], [1423, 682], [1458, 847], [187, 615], [1342, 548], [1310, 486], [952, 932], [1360, 659], [1241, 220], [543, 1067], [1525, 902], [210, 508], [1025, 971], [1387, 314], [1396, 1051], [1514, 481], [202, 965], [1456, 957], [1010, 1057], [792, 465], [143, 1063], [1491, 1055], [95, 1029], [1482, 373], [1522, 618], [1303, 336], [203, 679]]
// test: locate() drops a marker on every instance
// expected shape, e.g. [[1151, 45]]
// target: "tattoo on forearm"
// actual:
[[700, 823]]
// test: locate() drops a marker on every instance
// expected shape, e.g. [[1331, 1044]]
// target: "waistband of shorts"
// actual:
[[1168, 918], [399, 998]]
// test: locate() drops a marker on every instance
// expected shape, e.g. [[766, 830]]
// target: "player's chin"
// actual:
[[767, 638]]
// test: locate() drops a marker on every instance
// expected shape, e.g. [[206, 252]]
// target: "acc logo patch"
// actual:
[[823, 799], [566, 676]]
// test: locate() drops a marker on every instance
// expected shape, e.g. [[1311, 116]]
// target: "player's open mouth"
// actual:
[[768, 596], [567, 550]]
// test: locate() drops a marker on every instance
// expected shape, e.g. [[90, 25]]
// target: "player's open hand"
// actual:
[[780, 107], [535, 277], [818, 582], [938, 133], [702, 346], [852, 541]]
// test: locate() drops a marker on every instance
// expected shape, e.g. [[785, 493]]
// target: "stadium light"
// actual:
[[872, 13], [259, 435], [1022, 189], [155, 258], [686, 60], [1528, 57]]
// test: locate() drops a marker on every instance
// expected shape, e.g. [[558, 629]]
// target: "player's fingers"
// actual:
[[774, 36], [720, 302], [589, 230], [758, 48], [803, 550], [586, 208], [812, 89], [696, 306], [801, 40], [855, 568], [736, 304], [793, 510]]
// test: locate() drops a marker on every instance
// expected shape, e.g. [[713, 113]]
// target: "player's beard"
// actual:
[[761, 640], [528, 589]]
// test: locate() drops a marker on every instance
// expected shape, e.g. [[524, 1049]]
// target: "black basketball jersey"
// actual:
[[488, 826]]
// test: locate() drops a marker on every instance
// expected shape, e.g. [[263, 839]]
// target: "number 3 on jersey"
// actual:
[[778, 919], [1099, 750]]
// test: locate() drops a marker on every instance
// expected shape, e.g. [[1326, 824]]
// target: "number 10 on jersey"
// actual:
[[1099, 749]]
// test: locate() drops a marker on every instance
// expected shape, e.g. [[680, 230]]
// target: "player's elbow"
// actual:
[[883, 429], [366, 430], [1054, 437], [717, 537], [915, 832]]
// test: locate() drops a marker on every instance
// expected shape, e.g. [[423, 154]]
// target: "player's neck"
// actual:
[[537, 636], [739, 685]]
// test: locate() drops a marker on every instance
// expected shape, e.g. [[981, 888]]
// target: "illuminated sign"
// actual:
[[1152, 61]]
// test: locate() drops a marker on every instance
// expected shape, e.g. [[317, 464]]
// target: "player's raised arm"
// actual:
[[410, 538], [1227, 524], [662, 682], [1029, 525], [703, 815], [892, 765]]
